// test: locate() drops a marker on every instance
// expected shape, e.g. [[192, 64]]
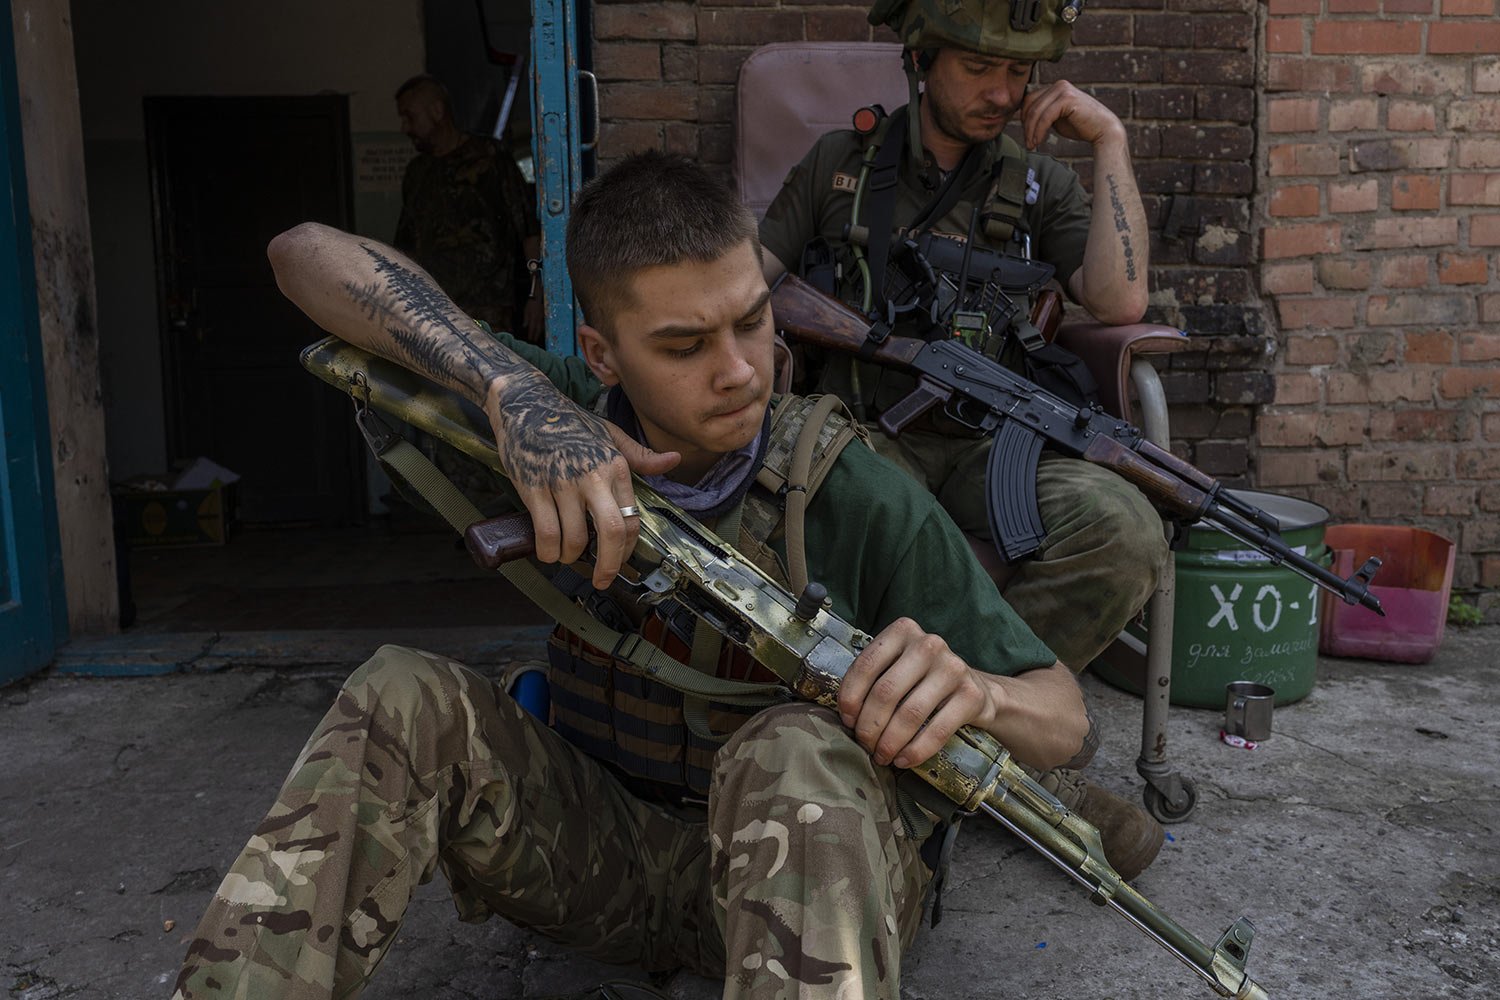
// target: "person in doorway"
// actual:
[[943, 166], [786, 861], [466, 214]]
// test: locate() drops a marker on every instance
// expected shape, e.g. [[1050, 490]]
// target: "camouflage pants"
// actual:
[[1097, 565], [803, 874]]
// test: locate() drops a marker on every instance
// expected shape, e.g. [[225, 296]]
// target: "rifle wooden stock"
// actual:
[[814, 318], [500, 540]]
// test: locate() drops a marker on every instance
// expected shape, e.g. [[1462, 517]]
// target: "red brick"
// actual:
[[1413, 425], [1407, 7], [1299, 199], [1284, 34], [1407, 231], [1276, 7], [1407, 271], [1413, 386], [1348, 387], [1406, 77], [651, 101], [1413, 309], [1489, 571], [1360, 196], [1484, 231], [1294, 114], [1222, 31], [721, 65], [1344, 275], [1361, 113], [1456, 37], [1475, 463], [1322, 313], [1411, 116], [1478, 153], [1294, 278], [1461, 269], [1302, 240], [1353, 6], [1099, 28], [645, 20], [1430, 347], [1482, 114], [681, 138], [630, 137], [1297, 390], [1224, 68], [1489, 308], [1489, 497], [1411, 192], [731, 26], [1400, 154], [1333, 76], [838, 26], [1366, 350], [1384, 500], [1287, 430], [1367, 38], [1292, 468], [1456, 383], [1479, 347], [1474, 189], [1304, 160], [1406, 466], [628, 61], [1305, 350], [681, 62], [1458, 501], [1341, 427], [1487, 77]]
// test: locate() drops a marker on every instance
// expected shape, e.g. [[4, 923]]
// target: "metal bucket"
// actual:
[[1238, 616]]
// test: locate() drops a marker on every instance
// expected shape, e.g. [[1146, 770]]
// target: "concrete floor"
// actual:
[[1360, 839]]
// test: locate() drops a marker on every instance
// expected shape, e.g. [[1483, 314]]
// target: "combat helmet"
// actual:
[[1024, 30]]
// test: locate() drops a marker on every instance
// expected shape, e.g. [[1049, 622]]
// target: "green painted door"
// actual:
[[32, 618]]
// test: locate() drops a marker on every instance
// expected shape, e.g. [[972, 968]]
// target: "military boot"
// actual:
[[1130, 836]]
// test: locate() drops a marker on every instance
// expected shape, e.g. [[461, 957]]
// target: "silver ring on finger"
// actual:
[[630, 511]]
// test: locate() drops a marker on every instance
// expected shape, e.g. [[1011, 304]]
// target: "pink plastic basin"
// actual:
[[1413, 586]]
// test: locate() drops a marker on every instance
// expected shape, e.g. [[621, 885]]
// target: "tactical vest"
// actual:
[[608, 709]]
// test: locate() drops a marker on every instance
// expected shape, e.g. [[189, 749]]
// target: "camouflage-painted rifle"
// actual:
[[798, 639], [810, 648]]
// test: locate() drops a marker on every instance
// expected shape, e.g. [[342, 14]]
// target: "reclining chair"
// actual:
[[791, 93]]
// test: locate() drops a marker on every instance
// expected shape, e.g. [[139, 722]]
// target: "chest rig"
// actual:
[[605, 706]]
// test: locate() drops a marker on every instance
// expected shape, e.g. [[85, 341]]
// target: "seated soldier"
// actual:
[[943, 166], [785, 862]]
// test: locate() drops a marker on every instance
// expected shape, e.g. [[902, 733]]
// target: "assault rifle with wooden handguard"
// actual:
[[810, 649], [985, 396]]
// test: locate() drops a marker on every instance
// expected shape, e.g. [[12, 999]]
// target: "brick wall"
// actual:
[[1322, 181], [1381, 212]]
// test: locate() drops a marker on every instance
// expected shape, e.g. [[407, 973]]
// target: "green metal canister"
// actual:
[[1238, 616]]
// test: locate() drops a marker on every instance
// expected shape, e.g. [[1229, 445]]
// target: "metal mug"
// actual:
[[1247, 709]]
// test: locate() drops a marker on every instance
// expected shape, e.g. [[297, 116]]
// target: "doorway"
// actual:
[[228, 174]]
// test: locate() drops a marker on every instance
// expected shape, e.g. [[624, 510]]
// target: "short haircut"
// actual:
[[426, 81], [650, 209]]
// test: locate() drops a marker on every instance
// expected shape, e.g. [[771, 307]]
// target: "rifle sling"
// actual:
[[405, 463]]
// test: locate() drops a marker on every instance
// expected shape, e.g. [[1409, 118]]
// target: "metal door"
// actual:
[[33, 616], [556, 149]]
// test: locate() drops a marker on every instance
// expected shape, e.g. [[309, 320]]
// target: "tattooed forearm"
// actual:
[[1090, 743], [426, 329], [1122, 226], [547, 438]]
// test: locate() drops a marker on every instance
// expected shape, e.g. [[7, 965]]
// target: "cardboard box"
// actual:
[[175, 517]]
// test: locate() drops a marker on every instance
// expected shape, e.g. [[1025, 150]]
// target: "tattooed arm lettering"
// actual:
[[1122, 226]]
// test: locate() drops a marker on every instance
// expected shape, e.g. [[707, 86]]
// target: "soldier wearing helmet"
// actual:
[[943, 168]]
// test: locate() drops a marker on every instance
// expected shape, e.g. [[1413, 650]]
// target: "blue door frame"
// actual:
[[33, 619], [556, 153]]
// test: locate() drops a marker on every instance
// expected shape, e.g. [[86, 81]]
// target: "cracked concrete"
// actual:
[[1360, 839]]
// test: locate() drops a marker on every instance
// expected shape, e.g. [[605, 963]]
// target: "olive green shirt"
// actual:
[[882, 546], [817, 200]]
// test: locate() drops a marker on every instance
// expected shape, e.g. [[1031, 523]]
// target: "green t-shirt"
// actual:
[[882, 546]]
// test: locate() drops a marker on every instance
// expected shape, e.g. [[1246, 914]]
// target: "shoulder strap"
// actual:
[[882, 198], [808, 433], [1007, 199]]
